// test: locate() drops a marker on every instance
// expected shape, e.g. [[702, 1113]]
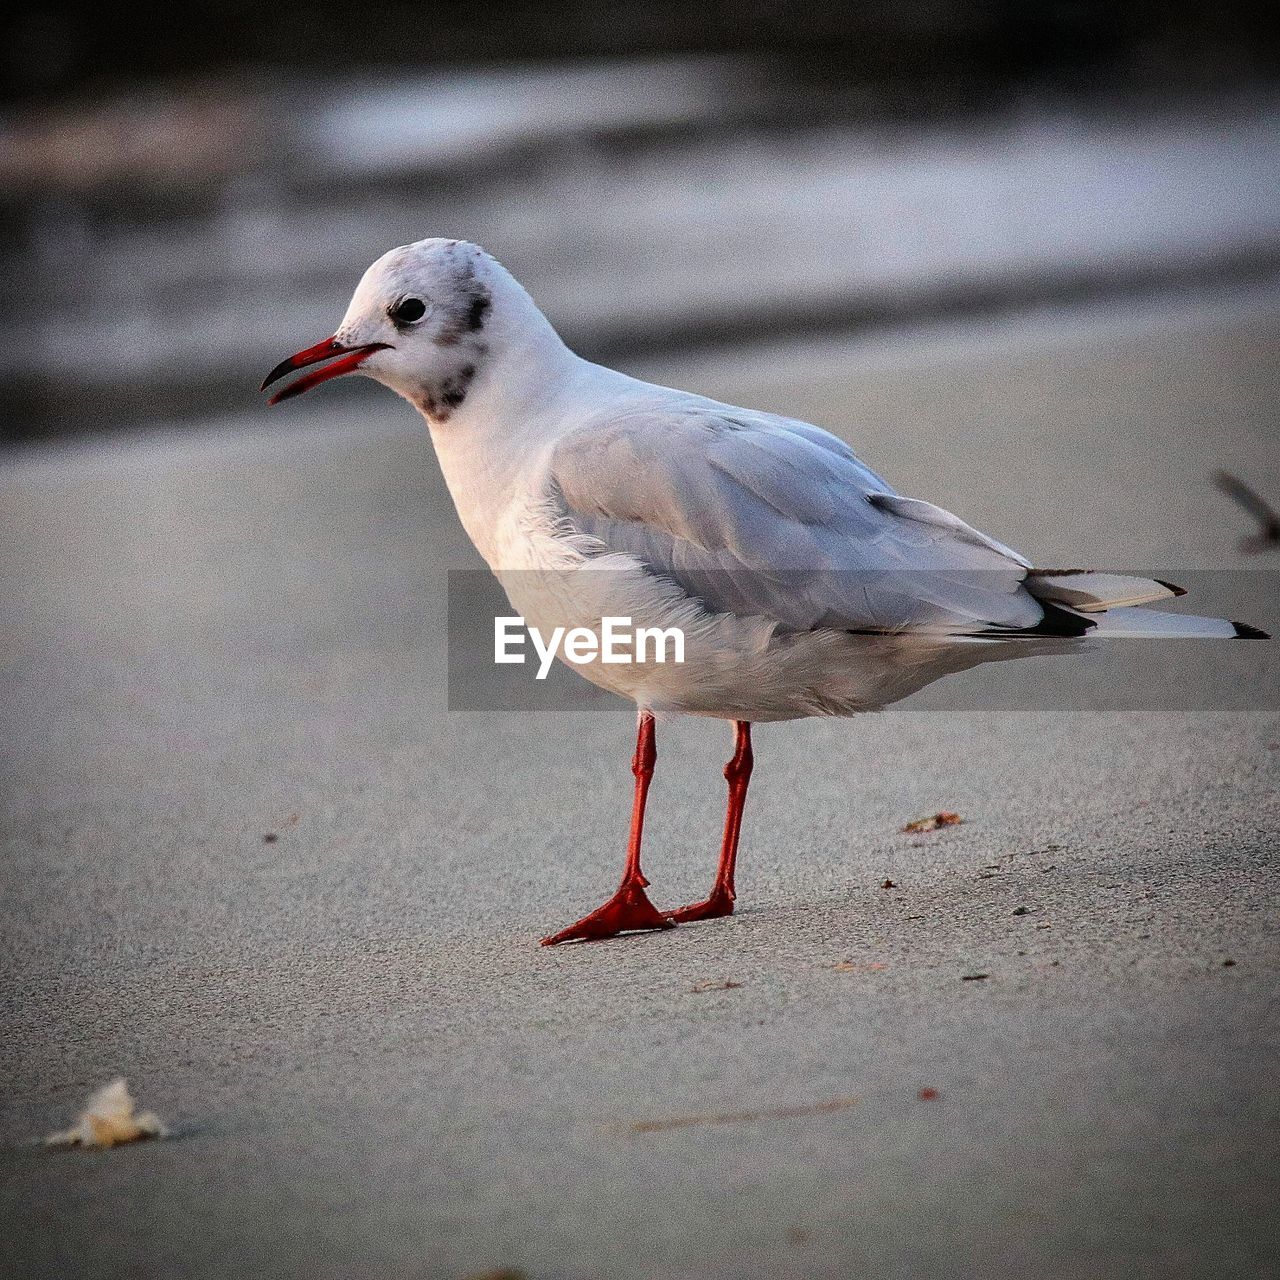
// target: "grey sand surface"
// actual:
[[374, 1071]]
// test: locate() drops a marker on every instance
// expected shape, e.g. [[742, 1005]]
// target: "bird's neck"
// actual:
[[490, 446]]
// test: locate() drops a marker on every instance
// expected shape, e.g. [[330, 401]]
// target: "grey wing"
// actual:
[[754, 514]]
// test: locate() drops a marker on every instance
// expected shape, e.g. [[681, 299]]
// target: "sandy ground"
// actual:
[[213, 637]]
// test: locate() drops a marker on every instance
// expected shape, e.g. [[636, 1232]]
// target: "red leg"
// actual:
[[630, 907], [738, 774]]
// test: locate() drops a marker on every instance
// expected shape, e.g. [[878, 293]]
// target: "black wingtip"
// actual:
[[1059, 622], [1245, 632], [1172, 586]]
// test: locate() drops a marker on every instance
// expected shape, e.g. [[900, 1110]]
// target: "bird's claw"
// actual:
[[720, 903], [627, 911]]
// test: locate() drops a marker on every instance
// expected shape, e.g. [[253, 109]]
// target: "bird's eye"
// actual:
[[408, 310]]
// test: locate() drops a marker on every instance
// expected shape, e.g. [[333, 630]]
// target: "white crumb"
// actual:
[[109, 1119]]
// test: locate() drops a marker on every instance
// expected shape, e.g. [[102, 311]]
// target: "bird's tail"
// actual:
[[1110, 600], [1153, 624]]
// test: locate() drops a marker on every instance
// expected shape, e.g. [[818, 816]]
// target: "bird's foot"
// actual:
[[629, 909], [720, 903]]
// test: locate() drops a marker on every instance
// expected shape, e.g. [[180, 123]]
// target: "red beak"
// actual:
[[352, 357]]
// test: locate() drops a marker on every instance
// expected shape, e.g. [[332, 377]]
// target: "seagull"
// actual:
[[803, 582]]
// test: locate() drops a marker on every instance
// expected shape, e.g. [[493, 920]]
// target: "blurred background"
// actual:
[[185, 198]]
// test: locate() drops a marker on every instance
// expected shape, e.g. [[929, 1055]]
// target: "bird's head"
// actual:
[[427, 320]]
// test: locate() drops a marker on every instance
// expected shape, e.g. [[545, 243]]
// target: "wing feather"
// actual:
[[757, 514]]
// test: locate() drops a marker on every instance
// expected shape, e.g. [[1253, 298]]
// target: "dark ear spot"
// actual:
[[466, 314], [477, 311], [467, 308]]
